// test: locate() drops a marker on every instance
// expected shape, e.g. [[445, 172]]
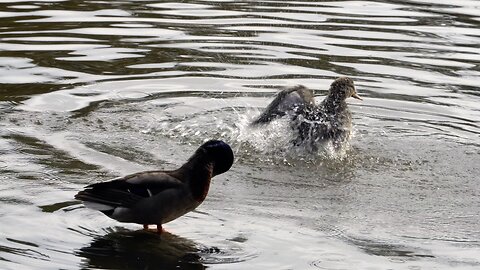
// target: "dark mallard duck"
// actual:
[[157, 197]]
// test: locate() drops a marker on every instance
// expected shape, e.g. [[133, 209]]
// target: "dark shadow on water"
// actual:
[[65, 206], [122, 249], [389, 249]]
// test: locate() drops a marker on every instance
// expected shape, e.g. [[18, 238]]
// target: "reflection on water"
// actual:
[[140, 250], [92, 90]]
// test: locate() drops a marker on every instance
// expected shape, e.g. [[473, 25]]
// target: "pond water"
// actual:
[[92, 90]]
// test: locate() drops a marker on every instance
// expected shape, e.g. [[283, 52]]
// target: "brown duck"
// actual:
[[331, 120]]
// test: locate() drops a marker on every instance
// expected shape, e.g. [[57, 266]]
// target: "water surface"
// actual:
[[91, 90]]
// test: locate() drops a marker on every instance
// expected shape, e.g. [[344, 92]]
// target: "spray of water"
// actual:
[[272, 142]]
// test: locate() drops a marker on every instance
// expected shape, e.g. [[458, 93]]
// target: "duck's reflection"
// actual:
[[123, 249]]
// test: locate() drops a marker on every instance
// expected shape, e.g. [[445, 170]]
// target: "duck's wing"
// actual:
[[315, 125], [128, 190], [285, 101]]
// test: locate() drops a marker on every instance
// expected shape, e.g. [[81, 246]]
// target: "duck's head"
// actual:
[[343, 88], [220, 153]]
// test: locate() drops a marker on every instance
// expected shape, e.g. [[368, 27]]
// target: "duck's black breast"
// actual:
[[200, 186]]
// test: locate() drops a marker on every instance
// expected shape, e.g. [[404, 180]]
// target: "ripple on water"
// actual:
[[227, 253], [104, 88]]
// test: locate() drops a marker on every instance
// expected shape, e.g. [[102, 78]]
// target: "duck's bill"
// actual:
[[356, 96]]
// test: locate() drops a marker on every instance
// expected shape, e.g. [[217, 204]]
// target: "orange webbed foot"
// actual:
[[159, 230]]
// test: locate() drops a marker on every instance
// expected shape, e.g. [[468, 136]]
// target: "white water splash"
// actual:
[[270, 142]]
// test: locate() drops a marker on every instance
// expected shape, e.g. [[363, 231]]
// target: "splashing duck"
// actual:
[[331, 120], [158, 197]]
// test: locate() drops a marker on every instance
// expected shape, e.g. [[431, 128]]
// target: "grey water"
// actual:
[[91, 90]]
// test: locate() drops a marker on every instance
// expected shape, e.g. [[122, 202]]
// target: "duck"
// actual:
[[160, 196], [314, 124]]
